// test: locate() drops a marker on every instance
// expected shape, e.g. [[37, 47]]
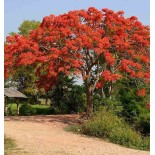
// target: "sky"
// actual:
[[16, 11]]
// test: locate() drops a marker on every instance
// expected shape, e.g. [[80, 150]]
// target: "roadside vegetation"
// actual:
[[27, 109], [104, 124], [9, 145]]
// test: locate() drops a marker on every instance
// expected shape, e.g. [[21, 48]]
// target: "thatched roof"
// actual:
[[13, 93]]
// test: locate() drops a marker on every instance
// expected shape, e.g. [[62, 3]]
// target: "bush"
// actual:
[[55, 110], [111, 103], [108, 126], [125, 102], [135, 111], [41, 109], [26, 110], [12, 109]]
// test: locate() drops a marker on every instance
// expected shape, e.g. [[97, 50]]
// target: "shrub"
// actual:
[[125, 102], [111, 103], [12, 109], [55, 110], [26, 110], [41, 109], [106, 125], [135, 110]]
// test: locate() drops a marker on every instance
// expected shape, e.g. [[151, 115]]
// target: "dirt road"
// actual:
[[45, 135]]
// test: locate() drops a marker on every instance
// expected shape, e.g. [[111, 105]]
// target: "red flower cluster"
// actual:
[[109, 58], [141, 92], [145, 59], [108, 76], [148, 105]]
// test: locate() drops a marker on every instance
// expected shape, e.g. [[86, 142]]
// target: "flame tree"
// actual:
[[101, 46]]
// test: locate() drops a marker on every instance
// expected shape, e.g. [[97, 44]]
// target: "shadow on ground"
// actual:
[[66, 119]]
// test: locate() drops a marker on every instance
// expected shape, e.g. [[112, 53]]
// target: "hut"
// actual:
[[12, 93]]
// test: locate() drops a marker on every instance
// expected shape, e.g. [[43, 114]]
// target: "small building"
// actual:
[[12, 93]]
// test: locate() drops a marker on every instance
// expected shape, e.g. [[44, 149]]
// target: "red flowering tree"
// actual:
[[101, 46]]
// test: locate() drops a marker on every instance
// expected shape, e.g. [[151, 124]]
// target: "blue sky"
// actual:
[[15, 11]]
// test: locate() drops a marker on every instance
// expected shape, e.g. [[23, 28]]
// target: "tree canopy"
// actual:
[[102, 46]]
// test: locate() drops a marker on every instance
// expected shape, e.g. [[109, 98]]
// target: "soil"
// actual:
[[45, 135]]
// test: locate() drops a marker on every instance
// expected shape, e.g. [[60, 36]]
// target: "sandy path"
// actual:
[[44, 135]]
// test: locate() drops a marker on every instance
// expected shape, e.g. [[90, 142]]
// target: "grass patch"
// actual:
[[9, 145], [74, 128], [28, 109], [11, 148], [108, 126]]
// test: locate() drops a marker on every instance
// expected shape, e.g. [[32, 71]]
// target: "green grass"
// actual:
[[13, 106], [35, 109], [109, 127], [9, 145], [11, 148]]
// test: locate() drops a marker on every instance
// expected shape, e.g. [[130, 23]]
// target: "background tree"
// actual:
[[66, 96], [26, 27], [24, 78]]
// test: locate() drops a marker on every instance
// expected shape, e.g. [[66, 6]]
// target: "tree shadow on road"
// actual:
[[66, 119]]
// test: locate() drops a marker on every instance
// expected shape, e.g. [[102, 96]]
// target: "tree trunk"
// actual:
[[17, 108], [108, 91], [89, 110], [6, 106]]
